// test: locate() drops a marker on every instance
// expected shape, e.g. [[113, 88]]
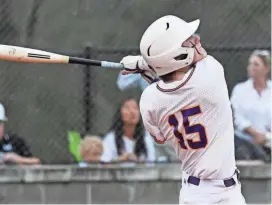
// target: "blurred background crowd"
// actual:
[[66, 114]]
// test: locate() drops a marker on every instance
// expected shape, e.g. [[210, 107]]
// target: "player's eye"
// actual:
[[181, 57]]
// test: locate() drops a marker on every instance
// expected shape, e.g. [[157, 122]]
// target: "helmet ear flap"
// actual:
[[181, 57], [160, 64], [187, 57], [190, 56]]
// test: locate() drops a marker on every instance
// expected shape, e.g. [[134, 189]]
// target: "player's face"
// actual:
[[2, 130], [130, 112], [256, 67]]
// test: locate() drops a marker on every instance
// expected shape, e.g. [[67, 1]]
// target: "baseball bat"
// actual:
[[29, 55]]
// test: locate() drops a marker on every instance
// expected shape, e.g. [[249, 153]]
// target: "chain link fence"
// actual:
[[43, 102]]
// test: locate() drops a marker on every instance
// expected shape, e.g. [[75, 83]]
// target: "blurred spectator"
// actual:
[[128, 141], [251, 102], [13, 149], [91, 149]]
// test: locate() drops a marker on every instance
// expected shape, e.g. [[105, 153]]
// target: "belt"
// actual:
[[227, 182]]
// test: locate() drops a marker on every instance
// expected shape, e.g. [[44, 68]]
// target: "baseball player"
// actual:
[[189, 109]]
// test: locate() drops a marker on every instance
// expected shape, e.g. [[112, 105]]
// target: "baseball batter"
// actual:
[[189, 109]]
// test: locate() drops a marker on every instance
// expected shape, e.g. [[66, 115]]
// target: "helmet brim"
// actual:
[[194, 25]]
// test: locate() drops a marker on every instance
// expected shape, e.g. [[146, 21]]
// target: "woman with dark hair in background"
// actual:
[[128, 140], [251, 102]]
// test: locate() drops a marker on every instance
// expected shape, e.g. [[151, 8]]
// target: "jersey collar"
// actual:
[[173, 86]]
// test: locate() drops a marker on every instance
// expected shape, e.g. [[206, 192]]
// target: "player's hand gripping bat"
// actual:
[[28, 55]]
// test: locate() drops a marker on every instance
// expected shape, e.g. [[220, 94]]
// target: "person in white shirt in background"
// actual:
[[251, 102], [128, 141]]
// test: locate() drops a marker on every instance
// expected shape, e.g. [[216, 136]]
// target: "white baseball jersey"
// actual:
[[194, 116]]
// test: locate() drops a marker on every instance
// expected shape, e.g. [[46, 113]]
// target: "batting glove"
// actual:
[[137, 65]]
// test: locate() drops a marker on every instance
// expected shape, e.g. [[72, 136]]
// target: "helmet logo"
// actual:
[[167, 25], [148, 50]]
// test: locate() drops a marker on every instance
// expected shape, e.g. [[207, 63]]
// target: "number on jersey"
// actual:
[[189, 129]]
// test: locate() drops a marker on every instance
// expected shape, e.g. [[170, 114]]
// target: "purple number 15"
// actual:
[[189, 129]]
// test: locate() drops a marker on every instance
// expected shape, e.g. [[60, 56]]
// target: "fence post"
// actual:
[[87, 103]]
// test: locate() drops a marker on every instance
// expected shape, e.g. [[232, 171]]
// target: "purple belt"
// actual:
[[227, 182]]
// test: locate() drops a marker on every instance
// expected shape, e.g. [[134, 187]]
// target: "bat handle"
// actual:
[[107, 64]]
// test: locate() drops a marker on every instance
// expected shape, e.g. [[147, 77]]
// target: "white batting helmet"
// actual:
[[161, 44]]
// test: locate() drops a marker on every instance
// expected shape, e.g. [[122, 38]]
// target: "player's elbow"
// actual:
[[156, 140], [159, 142]]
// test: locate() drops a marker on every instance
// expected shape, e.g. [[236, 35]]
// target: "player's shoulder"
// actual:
[[210, 61], [210, 68]]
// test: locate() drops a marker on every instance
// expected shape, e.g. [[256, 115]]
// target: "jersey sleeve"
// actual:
[[148, 119]]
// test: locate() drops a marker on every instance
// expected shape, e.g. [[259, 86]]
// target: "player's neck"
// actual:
[[129, 131], [179, 74]]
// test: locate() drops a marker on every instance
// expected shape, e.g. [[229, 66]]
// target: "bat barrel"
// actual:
[[28, 55]]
